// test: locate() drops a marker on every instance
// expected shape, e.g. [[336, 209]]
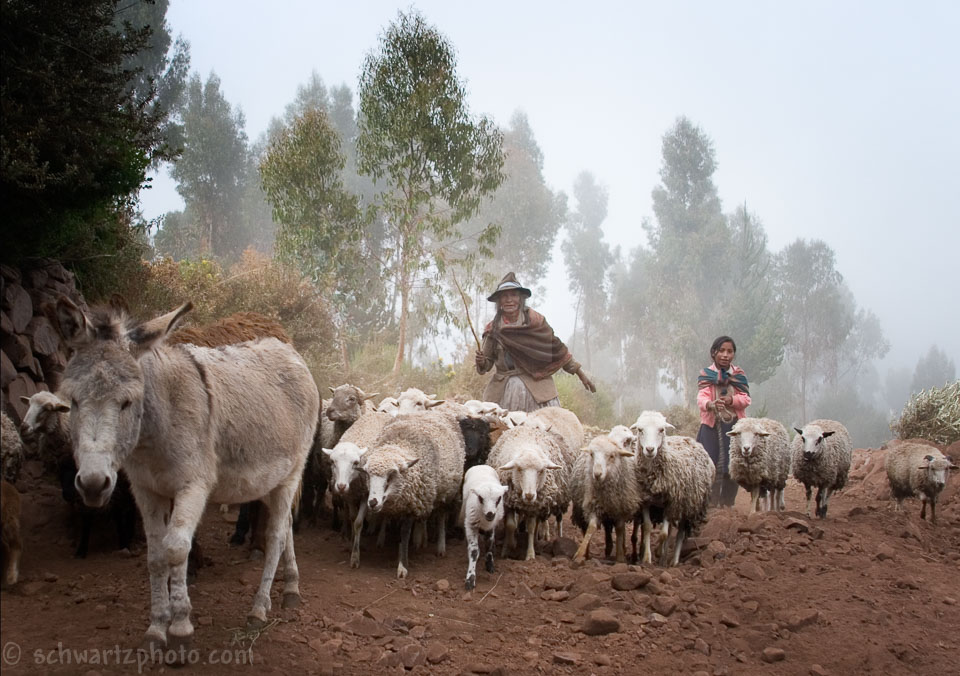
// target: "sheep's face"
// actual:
[[384, 481], [622, 437], [650, 437], [489, 503], [750, 441], [415, 401], [528, 473], [42, 411], [604, 458], [346, 404], [811, 437], [389, 405], [514, 418], [936, 469], [346, 459]]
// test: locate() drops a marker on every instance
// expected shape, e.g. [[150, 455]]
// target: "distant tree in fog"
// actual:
[[935, 369], [587, 258], [896, 388], [214, 167], [431, 161], [817, 315]]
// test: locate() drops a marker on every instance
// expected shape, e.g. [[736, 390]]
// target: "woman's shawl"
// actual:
[[533, 345]]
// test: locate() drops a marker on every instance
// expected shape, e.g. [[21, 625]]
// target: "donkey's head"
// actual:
[[103, 384]]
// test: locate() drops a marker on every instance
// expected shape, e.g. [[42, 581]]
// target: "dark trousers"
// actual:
[[724, 491]]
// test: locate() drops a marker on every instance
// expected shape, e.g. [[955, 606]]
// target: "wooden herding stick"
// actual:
[[466, 308]]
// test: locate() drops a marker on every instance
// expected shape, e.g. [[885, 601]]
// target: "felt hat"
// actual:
[[509, 282]]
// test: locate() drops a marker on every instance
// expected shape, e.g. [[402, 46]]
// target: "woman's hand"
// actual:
[[587, 383], [480, 359]]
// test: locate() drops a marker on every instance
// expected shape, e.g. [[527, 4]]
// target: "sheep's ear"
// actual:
[[332, 391], [409, 464], [924, 467], [25, 400], [61, 406], [553, 465], [669, 426], [509, 465], [731, 433], [71, 322], [328, 451], [952, 466], [431, 404], [504, 489], [150, 334], [928, 458], [827, 434], [625, 453], [798, 431], [366, 397], [763, 434]]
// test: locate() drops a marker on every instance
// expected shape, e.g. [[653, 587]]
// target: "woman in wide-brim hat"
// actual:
[[524, 351]]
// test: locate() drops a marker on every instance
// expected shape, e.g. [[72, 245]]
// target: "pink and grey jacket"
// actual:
[[712, 378]]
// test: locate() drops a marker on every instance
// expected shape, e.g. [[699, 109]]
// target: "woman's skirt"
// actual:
[[724, 491], [516, 397]]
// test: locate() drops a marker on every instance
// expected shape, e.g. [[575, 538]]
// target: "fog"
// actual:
[[831, 121]]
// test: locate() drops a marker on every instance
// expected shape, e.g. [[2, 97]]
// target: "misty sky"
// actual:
[[833, 121]]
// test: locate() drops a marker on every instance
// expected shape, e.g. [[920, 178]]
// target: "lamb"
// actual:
[[389, 405], [348, 481], [414, 469], [917, 470], [822, 454], [11, 459], [414, 400], [479, 408], [514, 418], [530, 461], [622, 437], [603, 488], [11, 546], [675, 473], [481, 512], [760, 459], [46, 426]]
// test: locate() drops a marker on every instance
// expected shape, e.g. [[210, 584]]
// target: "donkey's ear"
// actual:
[[119, 303], [71, 323], [150, 334]]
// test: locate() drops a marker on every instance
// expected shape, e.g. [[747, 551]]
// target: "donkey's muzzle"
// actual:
[[94, 487]]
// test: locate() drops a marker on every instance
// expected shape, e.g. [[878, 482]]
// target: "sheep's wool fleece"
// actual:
[[831, 467], [679, 479], [520, 443], [906, 478], [617, 497], [11, 456], [768, 466]]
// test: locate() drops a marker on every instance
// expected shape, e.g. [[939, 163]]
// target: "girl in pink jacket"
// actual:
[[722, 398]]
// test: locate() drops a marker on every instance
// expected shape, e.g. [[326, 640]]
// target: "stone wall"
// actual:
[[32, 357]]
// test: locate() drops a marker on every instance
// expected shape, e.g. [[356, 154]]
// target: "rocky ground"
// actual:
[[866, 591]]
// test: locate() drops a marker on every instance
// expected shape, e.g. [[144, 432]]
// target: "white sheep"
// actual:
[[530, 461], [389, 405], [760, 459], [481, 511], [514, 418], [822, 453], [565, 425], [414, 470], [477, 407], [675, 473], [603, 489], [414, 400], [622, 437], [917, 470]]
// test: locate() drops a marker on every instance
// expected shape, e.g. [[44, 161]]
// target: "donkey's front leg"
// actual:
[[155, 510], [187, 509]]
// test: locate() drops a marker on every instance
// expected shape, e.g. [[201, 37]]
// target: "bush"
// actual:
[[932, 414], [595, 409], [685, 419]]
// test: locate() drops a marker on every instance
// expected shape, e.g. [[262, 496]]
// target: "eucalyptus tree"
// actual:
[[431, 161], [934, 369]]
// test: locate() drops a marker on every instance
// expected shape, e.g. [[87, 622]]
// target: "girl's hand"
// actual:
[[728, 400]]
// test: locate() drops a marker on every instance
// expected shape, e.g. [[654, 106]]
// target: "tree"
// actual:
[[432, 162], [77, 136], [214, 166], [817, 315], [588, 257], [935, 369]]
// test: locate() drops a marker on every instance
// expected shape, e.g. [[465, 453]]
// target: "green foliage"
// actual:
[[432, 162], [77, 136], [213, 170], [932, 414], [593, 409]]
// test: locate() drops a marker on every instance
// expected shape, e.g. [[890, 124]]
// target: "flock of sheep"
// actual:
[[418, 465]]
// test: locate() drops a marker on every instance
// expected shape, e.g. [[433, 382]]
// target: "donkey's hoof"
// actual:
[[153, 645], [290, 601], [178, 649], [255, 623]]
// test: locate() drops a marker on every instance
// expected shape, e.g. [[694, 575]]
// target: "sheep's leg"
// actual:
[[559, 526], [382, 535], [633, 540], [809, 490], [491, 537], [827, 492], [510, 532], [665, 552], [531, 537], [621, 542], [899, 506], [923, 507], [11, 571], [473, 553], [647, 529], [357, 532], [406, 526], [441, 533], [279, 526], [933, 511], [820, 497], [607, 539], [155, 510], [584, 548], [754, 499], [678, 546]]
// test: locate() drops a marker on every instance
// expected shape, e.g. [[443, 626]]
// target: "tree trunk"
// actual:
[[683, 381], [404, 314]]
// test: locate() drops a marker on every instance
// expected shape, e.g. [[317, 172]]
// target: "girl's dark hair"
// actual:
[[719, 342]]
